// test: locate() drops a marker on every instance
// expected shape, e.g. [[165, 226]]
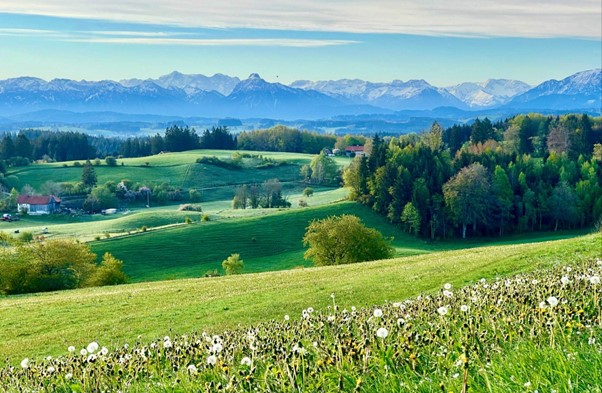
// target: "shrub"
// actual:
[[144, 228], [344, 239], [190, 208], [188, 220], [302, 203], [26, 237], [233, 264], [111, 161], [109, 272], [205, 217], [308, 191]]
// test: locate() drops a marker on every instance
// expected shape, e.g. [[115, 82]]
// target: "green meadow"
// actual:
[[43, 324]]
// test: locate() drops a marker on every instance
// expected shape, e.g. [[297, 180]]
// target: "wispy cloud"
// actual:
[[510, 18], [275, 42]]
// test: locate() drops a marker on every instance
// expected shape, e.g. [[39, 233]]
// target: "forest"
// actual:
[[527, 173]]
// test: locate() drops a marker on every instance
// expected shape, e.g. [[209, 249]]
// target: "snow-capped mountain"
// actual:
[[493, 92], [396, 95], [580, 90], [191, 83], [177, 94]]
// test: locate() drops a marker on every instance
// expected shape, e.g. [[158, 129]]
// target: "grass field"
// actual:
[[45, 324], [178, 169]]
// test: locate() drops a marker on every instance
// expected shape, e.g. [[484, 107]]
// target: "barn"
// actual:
[[38, 204]]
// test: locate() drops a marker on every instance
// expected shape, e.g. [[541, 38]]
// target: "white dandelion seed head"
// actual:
[[447, 293], [68, 376], [543, 305], [25, 363], [382, 333], [565, 280], [104, 351], [246, 361], [167, 344], [217, 348], [192, 369], [92, 347], [442, 310], [83, 352], [534, 282], [464, 308], [447, 286], [594, 280], [286, 317], [378, 312], [71, 348], [50, 369], [552, 301], [353, 308], [211, 360]]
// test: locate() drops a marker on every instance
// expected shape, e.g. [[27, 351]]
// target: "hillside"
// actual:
[[124, 314]]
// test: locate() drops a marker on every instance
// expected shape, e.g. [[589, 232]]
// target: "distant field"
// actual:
[[178, 169], [46, 324], [271, 241]]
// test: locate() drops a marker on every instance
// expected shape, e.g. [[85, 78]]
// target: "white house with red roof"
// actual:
[[355, 150], [38, 204]]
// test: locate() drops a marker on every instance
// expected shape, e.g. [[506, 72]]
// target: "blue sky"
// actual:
[[444, 43]]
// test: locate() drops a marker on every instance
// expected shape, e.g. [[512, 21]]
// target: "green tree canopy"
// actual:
[[344, 239]]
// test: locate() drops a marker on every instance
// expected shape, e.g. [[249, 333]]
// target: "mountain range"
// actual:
[[219, 96]]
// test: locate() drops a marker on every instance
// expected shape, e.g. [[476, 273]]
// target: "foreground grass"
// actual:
[[45, 324], [523, 333]]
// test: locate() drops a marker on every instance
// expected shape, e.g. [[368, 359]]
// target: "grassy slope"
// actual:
[[269, 242], [115, 315], [170, 166]]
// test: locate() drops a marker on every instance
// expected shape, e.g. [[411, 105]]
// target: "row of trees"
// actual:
[[285, 139], [267, 195], [484, 187]]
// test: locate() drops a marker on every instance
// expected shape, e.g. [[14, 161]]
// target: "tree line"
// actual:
[[526, 173]]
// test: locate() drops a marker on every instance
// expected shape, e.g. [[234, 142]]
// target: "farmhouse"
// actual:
[[38, 204], [357, 150]]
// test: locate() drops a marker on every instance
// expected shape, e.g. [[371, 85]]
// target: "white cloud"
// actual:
[[299, 43], [511, 18]]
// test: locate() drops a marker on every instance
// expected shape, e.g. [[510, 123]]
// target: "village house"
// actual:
[[38, 204]]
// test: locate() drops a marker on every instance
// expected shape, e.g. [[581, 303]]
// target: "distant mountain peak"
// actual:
[[254, 76]]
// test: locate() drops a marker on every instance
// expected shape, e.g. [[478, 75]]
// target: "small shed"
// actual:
[[38, 204]]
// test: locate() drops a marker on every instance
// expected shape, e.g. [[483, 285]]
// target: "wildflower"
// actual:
[[542, 305], [534, 282], [447, 286], [382, 333], [594, 280], [400, 321], [564, 280], [598, 261], [192, 369], [331, 318], [527, 384], [305, 314], [332, 295], [552, 301], [104, 351], [464, 308], [378, 312], [353, 308], [92, 347], [211, 360], [246, 361], [442, 310], [447, 293], [71, 348], [167, 344], [68, 376], [217, 348], [286, 317], [25, 363], [310, 310], [83, 352], [91, 358], [50, 369], [166, 338]]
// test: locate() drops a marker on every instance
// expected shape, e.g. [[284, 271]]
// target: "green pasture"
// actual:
[[46, 324]]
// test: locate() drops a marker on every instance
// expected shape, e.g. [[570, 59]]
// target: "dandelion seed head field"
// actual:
[[46, 324]]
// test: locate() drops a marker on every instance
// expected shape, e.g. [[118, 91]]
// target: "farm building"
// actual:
[[38, 204], [355, 150]]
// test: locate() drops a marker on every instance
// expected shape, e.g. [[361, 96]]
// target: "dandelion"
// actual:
[[286, 317], [104, 351], [83, 352], [552, 301], [353, 308], [332, 295], [246, 361], [447, 286], [331, 318], [310, 310], [534, 282], [464, 308], [211, 360], [447, 293], [25, 363], [542, 305], [442, 310], [217, 348], [378, 312], [594, 280], [382, 333], [68, 376], [167, 344], [598, 261], [565, 280], [92, 347], [400, 321], [192, 369], [71, 348]]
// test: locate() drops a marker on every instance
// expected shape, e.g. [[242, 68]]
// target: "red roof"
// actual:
[[37, 199], [354, 148]]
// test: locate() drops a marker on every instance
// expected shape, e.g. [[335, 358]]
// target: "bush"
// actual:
[[109, 272], [144, 228], [111, 161], [188, 220], [190, 208], [233, 264], [344, 239], [302, 203], [308, 191], [205, 217]]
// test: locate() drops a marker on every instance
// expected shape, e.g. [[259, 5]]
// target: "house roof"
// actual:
[[37, 199], [354, 148]]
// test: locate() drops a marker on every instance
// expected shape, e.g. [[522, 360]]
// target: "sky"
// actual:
[[443, 42]]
